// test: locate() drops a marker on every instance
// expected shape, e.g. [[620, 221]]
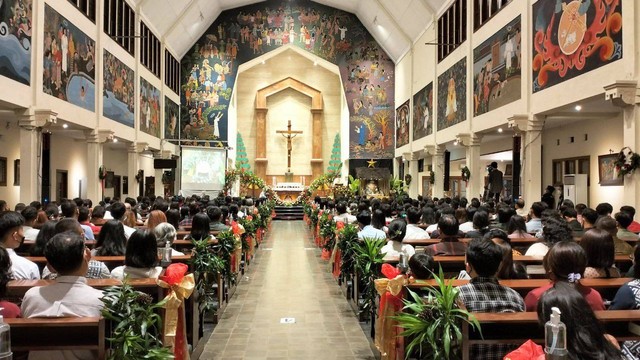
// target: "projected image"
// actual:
[[203, 169]]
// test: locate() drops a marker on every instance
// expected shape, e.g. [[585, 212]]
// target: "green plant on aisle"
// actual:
[[347, 240], [225, 248], [327, 230], [136, 324], [207, 266], [369, 262], [434, 324]]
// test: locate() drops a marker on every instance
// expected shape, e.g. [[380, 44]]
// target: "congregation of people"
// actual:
[[133, 229], [575, 242]]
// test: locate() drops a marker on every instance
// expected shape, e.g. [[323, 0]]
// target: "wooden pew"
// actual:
[[17, 288], [182, 233], [110, 261], [515, 242], [72, 333], [516, 328], [528, 260]]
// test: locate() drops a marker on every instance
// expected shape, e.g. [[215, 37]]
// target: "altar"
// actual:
[[288, 191]]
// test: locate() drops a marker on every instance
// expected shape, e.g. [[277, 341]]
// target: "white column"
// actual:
[[437, 164], [475, 185], [132, 169], [94, 161], [31, 122], [413, 171], [532, 161]]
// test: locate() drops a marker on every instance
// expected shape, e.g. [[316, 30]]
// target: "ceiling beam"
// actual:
[[394, 22], [428, 6], [179, 18]]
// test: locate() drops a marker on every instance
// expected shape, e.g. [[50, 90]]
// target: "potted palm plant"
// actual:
[[369, 262], [433, 324]]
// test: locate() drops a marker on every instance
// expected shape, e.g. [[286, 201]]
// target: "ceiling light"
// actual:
[[263, 62], [500, 130], [455, 143], [115, 140], [578, 107], [64, 126]]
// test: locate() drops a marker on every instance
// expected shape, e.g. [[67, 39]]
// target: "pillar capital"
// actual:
[[31, 118], [472, 139], [137, 147], [99, 135], [623, 93], [518, 122]]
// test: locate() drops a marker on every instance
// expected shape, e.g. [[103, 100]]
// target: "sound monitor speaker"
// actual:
[[447, 169], [165, 163]]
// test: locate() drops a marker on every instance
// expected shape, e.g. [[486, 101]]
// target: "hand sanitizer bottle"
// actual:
[[5, 340], [555, 334]]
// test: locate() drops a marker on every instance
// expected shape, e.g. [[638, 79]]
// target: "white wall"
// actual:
[[10, 149], [70, 155], [601, 138]]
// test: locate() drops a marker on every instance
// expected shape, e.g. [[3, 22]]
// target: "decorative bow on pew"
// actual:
[[179, 287], [387, 331]]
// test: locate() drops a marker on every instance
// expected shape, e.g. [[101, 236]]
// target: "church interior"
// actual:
[[291, 100]]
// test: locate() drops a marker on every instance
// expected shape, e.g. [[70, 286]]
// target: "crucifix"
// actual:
[[288, 134]]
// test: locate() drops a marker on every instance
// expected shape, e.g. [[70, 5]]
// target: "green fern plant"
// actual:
[[434, 323], [369, 262], [347, 240], [207, 266]]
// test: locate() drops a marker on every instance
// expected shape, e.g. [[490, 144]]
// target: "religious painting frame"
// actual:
[[108, 181], [508, 170], [125, 185], [3, 171], [16, 172], [607, 172]]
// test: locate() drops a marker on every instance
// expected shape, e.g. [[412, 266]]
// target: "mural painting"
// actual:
[[574, 37], [402, 124], [422, 112], [238, 35], [69, 61], [171, 123], [497, 69], [119, 92], [452, 99], [149, 109], [15, 40]]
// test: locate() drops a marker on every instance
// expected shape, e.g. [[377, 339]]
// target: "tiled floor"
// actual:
[[288, 280]]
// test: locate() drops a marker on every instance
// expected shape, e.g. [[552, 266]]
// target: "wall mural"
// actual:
[[402, 124], [238, 35], [452, 98], [15, 40], [171, 115], [119, 91], [497, 69], [574, 37], [149, 109], [422, 112], [69, 65]]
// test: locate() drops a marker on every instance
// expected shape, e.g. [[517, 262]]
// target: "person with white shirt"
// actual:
[[466, 224], [118, 210], [520, 210], [414, 232], [70, 210], [395, 247], [11, 237], [343, 215], [140, 258], [366, 230], [535, 213], [30, 215], [69, 295]]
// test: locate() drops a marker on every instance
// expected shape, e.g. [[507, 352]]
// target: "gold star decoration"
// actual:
[[372, 163]]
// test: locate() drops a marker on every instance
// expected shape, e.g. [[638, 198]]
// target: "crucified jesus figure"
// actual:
[[289, 134]]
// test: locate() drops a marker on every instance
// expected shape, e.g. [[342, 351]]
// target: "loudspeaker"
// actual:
[[447, 169], [165, 163], [517, 145]]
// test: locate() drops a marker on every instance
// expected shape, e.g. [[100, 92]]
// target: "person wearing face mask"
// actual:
[[11, 237]]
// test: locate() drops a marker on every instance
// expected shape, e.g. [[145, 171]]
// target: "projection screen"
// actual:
[[203, 170]]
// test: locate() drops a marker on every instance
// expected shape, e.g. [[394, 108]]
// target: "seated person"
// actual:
[[449, 244], [508, 269], [9, 309], [634, 227], [483, 293], [535, 213], [141, 257], [600, 250], [166, 233], [215, 215], [623, 221], [11, 237], [395, 247], [155, 217], [200, 229], [504, 215], [554, 231], [480, 225], [366, 230], [586, 338], [610, 225], [628, 296], [517, 228], [97, 216], [111, 241], [421, 266], [69, 295], [465, 217], [343, 216], [565, 262], [414, 232], [30, 215], [570, 215]]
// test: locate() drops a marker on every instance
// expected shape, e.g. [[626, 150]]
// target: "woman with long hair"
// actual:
[[517, 228], [173, 217], [395, 247], [141, 257], [508, 269], [155, 217], [47, 231], [601, 252], [111, 241], [565, 262], [586, 339], [199, 228]]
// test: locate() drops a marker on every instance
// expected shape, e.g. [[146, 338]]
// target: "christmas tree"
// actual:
[[242, 163], [335, 164]]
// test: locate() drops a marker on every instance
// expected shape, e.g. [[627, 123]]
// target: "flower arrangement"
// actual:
[[432, 177], [139, 175], [102, 172], [627, 162], [466, 174]]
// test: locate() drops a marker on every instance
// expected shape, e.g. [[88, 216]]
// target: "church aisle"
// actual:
[[288, 280]]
